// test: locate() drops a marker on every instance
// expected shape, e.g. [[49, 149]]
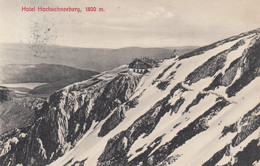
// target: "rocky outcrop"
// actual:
[[209, 68], [68, 114], [248, 64], [250, 68], [5, 94], [114, 150], [249, 123], [117, 117]]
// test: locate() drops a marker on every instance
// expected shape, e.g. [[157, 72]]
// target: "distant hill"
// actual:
[[42, 73], [96, 59], [183, 48], [54, 76]]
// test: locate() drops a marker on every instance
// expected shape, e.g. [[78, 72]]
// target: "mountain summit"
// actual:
[[201, 108]]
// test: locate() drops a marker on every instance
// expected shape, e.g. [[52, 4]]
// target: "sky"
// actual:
[[126, 23]]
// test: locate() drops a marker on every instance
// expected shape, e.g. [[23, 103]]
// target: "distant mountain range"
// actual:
[[95, 59]]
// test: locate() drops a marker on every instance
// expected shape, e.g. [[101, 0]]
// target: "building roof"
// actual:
[[144, 62]]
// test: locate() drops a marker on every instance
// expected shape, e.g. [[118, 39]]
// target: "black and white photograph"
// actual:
[[129, 83]]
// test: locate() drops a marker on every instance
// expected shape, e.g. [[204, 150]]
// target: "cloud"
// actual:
[[169, 15], [159, 12]]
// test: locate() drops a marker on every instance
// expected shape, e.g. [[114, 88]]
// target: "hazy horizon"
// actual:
[[163, 47]]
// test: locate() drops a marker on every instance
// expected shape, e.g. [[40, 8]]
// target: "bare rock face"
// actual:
[[67, 115]]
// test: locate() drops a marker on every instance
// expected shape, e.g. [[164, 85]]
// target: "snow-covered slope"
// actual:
[[201, 108]]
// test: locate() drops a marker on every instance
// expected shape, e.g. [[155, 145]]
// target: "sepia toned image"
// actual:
[[129, 83]]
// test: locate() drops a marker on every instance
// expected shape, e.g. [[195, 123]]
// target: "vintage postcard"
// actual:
[[129, 83]]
